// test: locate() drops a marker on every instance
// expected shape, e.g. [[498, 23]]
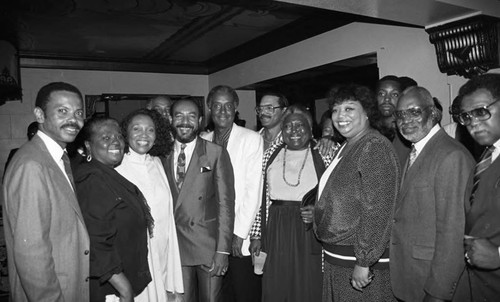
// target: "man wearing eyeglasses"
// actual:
[[426, 257], [480, 113]]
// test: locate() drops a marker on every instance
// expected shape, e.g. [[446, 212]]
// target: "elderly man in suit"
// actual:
[[200, 175], [245, 148], [426, 257], [480, 113], [47, 242]]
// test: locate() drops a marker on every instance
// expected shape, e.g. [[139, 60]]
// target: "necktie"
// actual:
[[67, 168], [481, 166], [413, 156], [181, 167]]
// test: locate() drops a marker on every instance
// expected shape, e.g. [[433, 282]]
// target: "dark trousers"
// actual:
[[199, 286], [240, 283]]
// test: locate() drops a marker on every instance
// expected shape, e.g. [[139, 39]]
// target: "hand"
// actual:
[[481, 253], [236, 246], [360, 277], [220, 264], [429, 298], [326, 147], [307, 213], [255, 246]]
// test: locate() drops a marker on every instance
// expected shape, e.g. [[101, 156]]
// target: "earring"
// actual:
[[89, 157]]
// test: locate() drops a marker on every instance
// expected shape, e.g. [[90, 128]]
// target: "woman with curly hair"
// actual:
[[147, 136], [352, 217]]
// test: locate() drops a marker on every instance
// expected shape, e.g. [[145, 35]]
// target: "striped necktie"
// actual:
[[481, 166], [181, 167]]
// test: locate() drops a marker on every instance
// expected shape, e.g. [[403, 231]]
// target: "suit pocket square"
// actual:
[[205, 169]]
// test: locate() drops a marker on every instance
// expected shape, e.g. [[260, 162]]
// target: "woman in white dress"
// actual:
[[147, 136]]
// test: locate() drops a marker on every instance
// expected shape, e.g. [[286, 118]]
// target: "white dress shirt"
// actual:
[[56, 152]]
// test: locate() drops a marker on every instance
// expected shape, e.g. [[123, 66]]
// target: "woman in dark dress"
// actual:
[[116, 216], [292, 271]]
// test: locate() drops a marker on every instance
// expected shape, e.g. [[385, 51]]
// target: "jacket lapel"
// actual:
[[419, 163], [59, 177], [168, 165]]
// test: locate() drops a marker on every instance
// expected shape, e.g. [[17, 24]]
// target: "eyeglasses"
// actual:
[[481, 113], [266, 108], [411, 113]]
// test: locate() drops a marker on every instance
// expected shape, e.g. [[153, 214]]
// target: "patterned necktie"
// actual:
[[481, 166], [413, 156], [181, 167], [67, 168]]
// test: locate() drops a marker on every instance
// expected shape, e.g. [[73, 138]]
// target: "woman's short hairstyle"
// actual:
[[299, 110], [164, 132], [91, 125], [363, 95], [222, 89]]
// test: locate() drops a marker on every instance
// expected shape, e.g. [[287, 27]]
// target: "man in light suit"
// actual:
[[202, 183], [47, 242], [245, 148], [480, 113], [426, 257]]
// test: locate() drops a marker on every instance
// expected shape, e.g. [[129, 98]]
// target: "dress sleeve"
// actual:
[[379, 184], [97, 203]]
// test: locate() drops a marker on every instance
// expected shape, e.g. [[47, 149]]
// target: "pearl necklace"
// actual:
[[300, 171]]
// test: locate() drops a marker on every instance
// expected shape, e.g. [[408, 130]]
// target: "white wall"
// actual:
[[15, 116], [400, 51]]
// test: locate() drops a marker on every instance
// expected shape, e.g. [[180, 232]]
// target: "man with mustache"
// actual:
[[245, 148], [389, 89], [201, 179], [47, 241], [480, 113], [426, 251]]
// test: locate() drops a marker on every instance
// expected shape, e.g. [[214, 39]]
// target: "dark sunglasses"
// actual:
[[481, 114]]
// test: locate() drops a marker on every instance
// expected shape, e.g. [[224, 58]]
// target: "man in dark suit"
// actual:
[[426, 257], [47, 242], [202, 183], [480, 113]]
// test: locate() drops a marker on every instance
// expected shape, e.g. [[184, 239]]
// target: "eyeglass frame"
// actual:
[[269, 108], [471, 117], [406, 112]]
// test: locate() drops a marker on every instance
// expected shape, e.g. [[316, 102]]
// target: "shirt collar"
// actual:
[[54, 148], [189, 146], [421, 143], [496, 152]]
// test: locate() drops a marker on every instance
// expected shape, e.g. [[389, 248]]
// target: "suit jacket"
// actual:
[[427, 236], [117, 219], [482, 221], [204, 207], [245, 148], [47, 242]]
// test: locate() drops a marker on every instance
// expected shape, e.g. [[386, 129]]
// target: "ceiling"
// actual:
[[173, 36], [202, 37]]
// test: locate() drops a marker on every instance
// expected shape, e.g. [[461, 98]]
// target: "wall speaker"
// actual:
[[467, 47]]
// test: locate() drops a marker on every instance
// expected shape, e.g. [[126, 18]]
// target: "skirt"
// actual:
[[292, 271]]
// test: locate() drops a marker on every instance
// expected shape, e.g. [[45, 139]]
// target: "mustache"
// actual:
[[184, 126], [265, 115], [71, 125]]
